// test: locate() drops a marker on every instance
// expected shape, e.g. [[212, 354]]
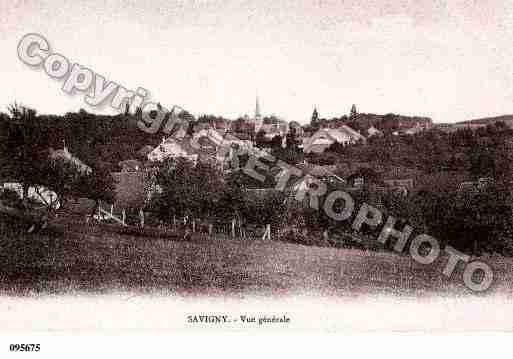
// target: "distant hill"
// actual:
[[388, 122], [507, 119]]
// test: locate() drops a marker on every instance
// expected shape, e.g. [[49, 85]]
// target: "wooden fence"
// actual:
[[233, 228]]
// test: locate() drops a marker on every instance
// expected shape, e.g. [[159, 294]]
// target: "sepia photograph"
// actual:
[[210, 166]]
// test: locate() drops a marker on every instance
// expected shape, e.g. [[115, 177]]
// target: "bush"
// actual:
[[10, 197], [297, 237]]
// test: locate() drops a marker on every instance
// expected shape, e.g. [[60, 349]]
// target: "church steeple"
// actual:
[[257, 110], [258, 117]]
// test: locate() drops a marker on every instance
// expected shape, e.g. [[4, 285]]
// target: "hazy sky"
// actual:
[[450, 60]]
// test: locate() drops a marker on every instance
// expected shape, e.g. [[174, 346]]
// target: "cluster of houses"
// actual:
[[325, 137], [217, 141]]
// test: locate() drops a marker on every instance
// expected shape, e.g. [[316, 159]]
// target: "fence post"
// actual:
[[267, 234], [193, 225], [233, 228], [141, 216], [210, 230], [123, 216]]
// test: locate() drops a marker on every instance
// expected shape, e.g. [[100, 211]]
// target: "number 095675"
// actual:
[[24, 347]]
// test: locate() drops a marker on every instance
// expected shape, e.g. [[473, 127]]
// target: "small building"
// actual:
[[325, 137], [172, 148], [373, 131], [66, 156], [39, 194], [207, 145], [414, 130]]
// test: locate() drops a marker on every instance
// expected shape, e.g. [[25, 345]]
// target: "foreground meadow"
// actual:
[[78, 258]]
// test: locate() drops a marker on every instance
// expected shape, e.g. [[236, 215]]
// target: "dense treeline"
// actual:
[[26, 158], [204, 192], [482, 152], [105, 140], [474, 219]]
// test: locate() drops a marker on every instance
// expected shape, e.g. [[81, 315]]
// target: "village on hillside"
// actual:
[[194, 167], [103, 169]]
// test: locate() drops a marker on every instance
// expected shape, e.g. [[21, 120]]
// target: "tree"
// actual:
[[291, 154], [353, 112], [260, 140], [97, 185], [337, 147], [266, 208], [26, 147], [187, 190], [293, 136], [231, 204], [67, 180], [276, 142], [314, 121], [61, 177]]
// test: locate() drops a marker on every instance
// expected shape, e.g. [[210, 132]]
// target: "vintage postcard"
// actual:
[[266, 166]]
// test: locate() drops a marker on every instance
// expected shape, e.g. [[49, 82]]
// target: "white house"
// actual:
[[171, 148], [325, 137], [39, 194]]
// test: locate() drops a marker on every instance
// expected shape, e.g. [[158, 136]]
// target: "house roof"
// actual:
[[413, 130], [214, 136], [339, 133], [327, 136], [67, 157], [317, 170], [372, 131], [170, 148], [308, 171], [205, 144]]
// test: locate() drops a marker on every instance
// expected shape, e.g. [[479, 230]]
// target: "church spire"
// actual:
[[257, 109], [258, 116]]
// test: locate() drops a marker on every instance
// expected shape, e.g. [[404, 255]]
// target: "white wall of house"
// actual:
[[39, 194], [169, 148], [325, 137]]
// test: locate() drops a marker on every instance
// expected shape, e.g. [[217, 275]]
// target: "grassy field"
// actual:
[[81, 258]]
